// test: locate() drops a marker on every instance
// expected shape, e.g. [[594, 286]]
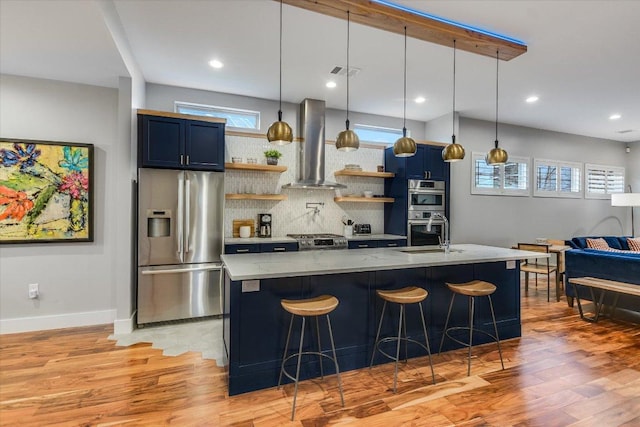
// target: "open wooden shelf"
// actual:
[[239, 196], [345, 172], [359, 199], [255, 167]]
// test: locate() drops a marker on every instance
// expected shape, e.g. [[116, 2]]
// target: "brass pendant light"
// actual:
[[347, 139], [405, 146], [453, 152], [497, 156], [280, 132]]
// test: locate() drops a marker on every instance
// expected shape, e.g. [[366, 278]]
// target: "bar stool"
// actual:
[[408, 295], [473, 289], [311, 307]]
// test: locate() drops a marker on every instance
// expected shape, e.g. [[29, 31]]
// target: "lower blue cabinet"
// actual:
[[377, 243], [253, 248]]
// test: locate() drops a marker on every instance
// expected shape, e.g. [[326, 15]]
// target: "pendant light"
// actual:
[[497, 156], [347, 139], [405, 146], [453, 152], [280, 132]]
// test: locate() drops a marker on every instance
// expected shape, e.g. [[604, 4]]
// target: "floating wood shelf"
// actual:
[[345, 172], [235, 196], [255, 167], [359, 199]]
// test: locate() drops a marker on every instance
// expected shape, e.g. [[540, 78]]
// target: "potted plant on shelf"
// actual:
[[272, 156]]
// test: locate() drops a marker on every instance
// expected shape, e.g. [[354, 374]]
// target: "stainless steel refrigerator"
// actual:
[[180, 236]]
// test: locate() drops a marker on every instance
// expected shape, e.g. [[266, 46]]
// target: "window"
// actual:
[[601, 181], [236, 118], [510, 179], [557, 179], [377, 134]]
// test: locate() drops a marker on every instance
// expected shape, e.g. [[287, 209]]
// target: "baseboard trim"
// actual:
[[70, 320], [124, 326]]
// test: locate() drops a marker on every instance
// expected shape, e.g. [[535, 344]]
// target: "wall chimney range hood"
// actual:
[[312, 147]]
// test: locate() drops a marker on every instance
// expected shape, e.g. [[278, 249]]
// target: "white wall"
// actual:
[[633, 178], [77, 280], [503, 220]]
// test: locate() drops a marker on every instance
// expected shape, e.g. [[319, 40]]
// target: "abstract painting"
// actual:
[[46, 191]]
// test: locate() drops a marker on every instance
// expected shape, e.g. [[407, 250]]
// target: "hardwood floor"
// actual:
[[562, 371]]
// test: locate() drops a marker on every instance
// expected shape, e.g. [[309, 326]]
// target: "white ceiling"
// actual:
[[583, 59]]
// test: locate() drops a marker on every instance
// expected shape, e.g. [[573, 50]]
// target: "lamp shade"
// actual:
[[347, 141], [453, 153], [625, 199], [280, 133]]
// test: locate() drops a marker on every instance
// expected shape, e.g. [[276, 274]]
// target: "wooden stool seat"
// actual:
[[408, 295], [475, 288], [317, 306]]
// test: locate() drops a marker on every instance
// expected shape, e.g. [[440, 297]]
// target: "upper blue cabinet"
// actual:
[[176, 141], [427, 163]]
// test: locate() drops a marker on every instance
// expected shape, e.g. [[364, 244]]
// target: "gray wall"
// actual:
[[77, 280], [161, 97], [504, 220]]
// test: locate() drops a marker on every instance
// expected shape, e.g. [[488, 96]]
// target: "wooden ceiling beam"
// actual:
[[420, 27]]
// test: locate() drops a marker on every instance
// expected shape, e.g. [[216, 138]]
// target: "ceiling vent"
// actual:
[[342, 71], [626, 131]]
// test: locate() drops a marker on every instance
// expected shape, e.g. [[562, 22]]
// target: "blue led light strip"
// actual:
[[447, 21]]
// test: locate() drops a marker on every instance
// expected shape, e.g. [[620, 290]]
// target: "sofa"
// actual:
[[618, 263]]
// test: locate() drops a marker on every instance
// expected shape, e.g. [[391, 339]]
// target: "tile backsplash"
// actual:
[[292, 215]]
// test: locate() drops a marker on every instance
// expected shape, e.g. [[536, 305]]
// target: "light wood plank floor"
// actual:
[[563, 371]]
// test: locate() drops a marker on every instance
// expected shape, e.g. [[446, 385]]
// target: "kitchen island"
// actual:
[[255, 325]]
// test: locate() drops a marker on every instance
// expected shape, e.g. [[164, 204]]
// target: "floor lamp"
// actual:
[[627, 199]]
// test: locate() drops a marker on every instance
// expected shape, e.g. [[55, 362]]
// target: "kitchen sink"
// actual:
[[425, 250]]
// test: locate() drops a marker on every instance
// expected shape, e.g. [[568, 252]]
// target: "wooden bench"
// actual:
[[604, 286]]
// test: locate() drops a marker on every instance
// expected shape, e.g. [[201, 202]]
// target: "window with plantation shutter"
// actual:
[[555, 178], [601, 181], [510, 179]]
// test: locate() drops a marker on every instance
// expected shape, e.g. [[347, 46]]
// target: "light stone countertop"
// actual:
[[308, 263]]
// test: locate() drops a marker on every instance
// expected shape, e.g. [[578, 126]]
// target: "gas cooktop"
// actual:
[[319, 241]]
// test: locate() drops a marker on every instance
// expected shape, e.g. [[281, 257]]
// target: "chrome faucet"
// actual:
[[445, 244]]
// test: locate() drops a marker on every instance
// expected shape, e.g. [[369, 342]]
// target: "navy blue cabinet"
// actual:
[[252, 248], [177, 143], [427, 163], [376, 243]]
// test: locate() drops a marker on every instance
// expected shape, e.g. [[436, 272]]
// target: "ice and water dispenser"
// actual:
[[158, 223]]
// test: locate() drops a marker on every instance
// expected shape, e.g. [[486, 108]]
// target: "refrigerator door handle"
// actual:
[[180, 219], [187, 203], [182, 270]]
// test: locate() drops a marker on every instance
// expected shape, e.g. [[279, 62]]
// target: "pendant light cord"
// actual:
[[348, 70], [280, 103], [497, 62], [404, 113], [453, 113]]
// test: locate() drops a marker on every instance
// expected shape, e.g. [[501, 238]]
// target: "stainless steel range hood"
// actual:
[[311, 154]]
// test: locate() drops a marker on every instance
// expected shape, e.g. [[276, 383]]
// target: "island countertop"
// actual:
[[308, 263]]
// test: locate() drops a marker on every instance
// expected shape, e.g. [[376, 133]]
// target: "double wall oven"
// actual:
[[425, 197]]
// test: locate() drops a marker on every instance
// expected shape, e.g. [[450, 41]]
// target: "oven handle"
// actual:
[[416, 191]]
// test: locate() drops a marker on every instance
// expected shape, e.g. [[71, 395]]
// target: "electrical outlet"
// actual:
[[34, 292]]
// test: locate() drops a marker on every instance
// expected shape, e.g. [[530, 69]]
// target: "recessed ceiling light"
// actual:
[[216, 64], [532, 99], [420, 99], [331, 84], [614, 116]]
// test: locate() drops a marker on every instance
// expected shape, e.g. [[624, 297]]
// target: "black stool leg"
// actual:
[[295, 391], [471, 309], [284, 354], [444, 331], [495, 327], [395, 376], [426, 338], [375, 345], [335, 360], [319, 348]]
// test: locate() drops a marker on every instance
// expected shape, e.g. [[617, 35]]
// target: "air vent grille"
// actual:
[[339, 70], [626, 131]]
